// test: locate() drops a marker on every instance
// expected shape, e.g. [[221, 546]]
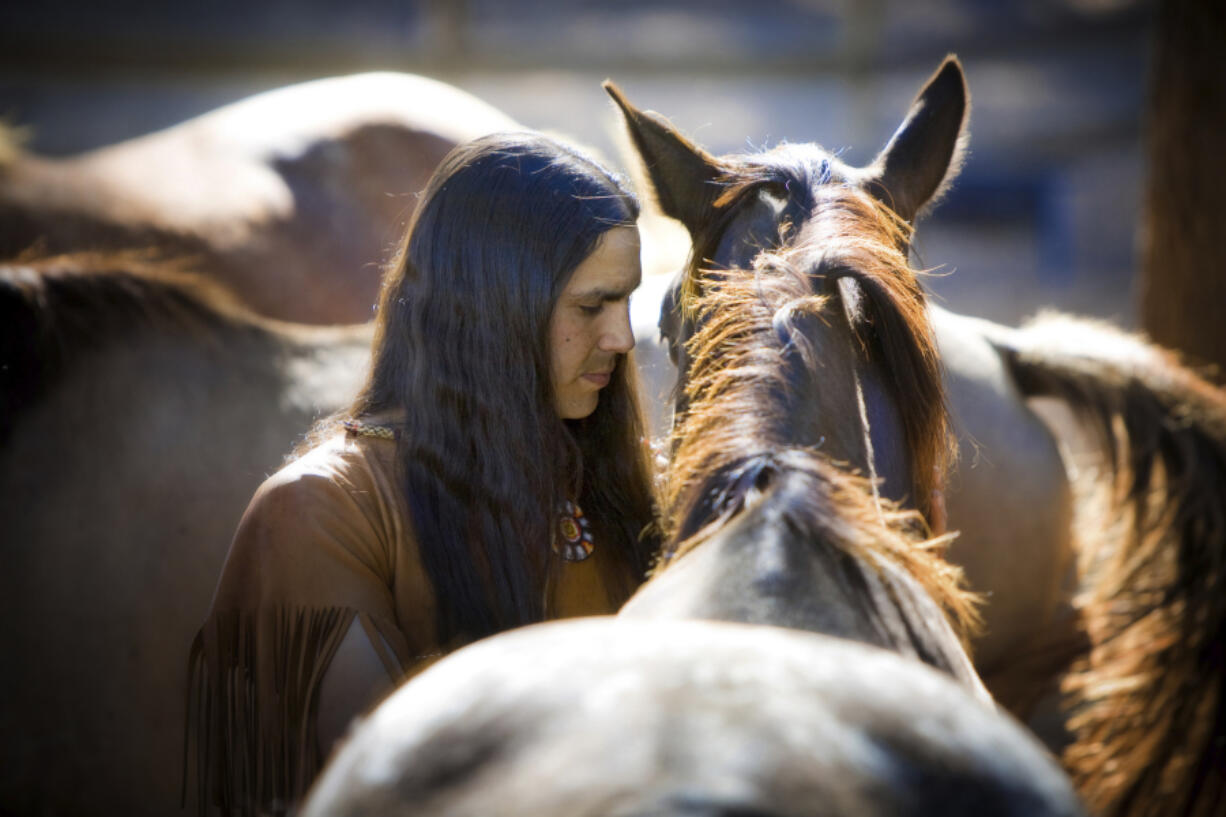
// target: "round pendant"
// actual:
[[573, 538]]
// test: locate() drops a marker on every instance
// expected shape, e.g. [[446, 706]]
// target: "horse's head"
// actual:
[[848, 229]]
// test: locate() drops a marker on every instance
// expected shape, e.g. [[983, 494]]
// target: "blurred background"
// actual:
[[1046, 210]]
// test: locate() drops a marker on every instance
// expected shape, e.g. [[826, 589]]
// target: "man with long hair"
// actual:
[[491, 473]]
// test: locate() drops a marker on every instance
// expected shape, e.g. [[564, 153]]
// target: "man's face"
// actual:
[[590, 324]]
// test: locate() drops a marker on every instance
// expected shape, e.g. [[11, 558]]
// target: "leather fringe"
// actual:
[[252, 706]]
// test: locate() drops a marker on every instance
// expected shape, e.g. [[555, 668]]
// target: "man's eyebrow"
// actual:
[[606, 293]]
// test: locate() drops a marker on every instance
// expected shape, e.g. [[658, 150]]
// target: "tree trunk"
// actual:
[[1183, 252]]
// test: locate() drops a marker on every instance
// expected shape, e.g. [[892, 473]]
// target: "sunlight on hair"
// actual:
[[13, 139], [342, 103]]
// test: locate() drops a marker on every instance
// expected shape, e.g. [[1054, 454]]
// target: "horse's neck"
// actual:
[[758, 573], [764, 569]]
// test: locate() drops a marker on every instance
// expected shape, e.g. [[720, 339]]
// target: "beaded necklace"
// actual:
[[572, 539]]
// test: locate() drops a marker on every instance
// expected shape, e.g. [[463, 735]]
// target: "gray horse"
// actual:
[[617, 718]]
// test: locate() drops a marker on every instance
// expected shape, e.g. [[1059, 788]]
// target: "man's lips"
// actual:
[[598, 378]]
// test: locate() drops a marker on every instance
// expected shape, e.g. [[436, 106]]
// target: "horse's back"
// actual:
[[615, 717], [294, 198], [371, 138]]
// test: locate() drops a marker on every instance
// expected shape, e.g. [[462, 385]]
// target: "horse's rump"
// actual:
[[1148, 714]]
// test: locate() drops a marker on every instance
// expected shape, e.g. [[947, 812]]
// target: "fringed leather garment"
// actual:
[[324, 541]]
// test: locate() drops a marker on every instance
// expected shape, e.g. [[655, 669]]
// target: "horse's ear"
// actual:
[[926, 151], [682, 175]]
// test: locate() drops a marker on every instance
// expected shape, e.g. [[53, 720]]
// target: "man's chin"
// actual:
[[578, 409]]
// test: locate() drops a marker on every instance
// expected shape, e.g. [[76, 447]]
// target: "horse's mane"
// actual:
[[56, 310], [741, 392], [1151, 697], [848, 233]]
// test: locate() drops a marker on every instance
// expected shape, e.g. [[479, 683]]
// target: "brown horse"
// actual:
[[1146, 720], [292, 198], [1009, 465], [763, 528], [139, 410], [622, 718]]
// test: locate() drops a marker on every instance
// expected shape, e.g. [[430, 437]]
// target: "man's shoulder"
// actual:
[[340, 461]]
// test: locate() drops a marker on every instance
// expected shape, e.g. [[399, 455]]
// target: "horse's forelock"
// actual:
[[788, 168], [733, 442], [846, 232], [737, 368]]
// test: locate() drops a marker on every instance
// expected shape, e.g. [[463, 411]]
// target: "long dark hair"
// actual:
[[461, 347]]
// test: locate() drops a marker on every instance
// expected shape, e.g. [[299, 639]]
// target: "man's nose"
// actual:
[[618, 336]]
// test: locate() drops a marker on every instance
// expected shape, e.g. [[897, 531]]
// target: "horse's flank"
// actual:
[[140, 411]]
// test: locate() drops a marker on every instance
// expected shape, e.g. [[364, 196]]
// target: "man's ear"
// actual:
[[684, 178], [926, 152]]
